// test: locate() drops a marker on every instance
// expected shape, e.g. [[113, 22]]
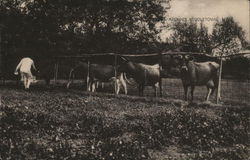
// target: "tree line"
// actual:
[[99, 26], [42, 28], [81, 26]]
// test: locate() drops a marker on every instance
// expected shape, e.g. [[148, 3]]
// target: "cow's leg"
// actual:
[[139, 89], [123, 83], [89, 85], [192, 93], [118, 85], [185, 92], [142, 89], [160, 86], [93, 86], [208, 93], [125, 87], [97, 84], [155, 90]]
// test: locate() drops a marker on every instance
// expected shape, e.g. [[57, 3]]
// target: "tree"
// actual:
[[88, 25], [228, 38], [191, 36]]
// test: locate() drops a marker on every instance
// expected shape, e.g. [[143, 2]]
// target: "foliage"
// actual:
[[228, 37], [55, 125], [71, 27], [190, 36]]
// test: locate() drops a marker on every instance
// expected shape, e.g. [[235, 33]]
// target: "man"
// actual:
[[24, 67]]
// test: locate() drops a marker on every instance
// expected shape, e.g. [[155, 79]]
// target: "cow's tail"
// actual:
[[126, 79], [71, 77], [215, 80]]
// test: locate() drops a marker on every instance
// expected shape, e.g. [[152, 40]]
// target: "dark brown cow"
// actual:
[[143, 74], [199, 74]]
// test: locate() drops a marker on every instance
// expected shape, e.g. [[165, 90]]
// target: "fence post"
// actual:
[[160, 70], [55, 73], [218, 96], [116, 85], [88, 74], [1, 57]]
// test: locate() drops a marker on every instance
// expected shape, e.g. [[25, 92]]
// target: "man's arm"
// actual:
[[34, 67], [19, 65]]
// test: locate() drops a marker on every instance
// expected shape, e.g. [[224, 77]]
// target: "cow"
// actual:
[[99, 73], [143, 74], [199, 74], [24, 67]]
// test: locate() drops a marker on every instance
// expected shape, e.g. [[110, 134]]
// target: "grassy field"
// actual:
[[233, 91], [72, 124]]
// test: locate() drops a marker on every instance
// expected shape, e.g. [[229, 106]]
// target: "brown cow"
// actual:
[[199, 74], [143, 74]]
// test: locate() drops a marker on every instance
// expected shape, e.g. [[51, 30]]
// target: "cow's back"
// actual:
[[146, 74], [201, 73], [102, 72]]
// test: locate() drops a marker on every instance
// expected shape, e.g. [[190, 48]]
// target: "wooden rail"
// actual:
[[150, 55]]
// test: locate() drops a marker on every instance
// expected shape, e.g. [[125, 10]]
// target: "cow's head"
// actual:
[[184, 62], [123, 65]]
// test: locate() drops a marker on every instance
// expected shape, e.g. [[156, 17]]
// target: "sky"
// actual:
[[210, 10]]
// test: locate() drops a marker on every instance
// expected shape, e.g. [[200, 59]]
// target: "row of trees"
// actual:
[[123, 26], [81, 26], [227, 37]]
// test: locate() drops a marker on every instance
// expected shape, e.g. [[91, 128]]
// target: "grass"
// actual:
[[72, 124], [232, 91]]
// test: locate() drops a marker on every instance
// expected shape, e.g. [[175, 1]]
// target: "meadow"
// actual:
[[58, 123]]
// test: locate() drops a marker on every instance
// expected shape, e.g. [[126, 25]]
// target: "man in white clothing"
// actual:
[[24, 67]]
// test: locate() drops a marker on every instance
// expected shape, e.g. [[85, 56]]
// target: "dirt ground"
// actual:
[[71, 124]]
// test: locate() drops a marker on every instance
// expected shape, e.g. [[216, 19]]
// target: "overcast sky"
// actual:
[[211, 9]]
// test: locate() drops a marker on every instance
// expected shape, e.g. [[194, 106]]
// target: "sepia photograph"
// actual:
[[124, 79]]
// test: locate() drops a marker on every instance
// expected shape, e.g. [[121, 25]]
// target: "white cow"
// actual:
[[24, 67]]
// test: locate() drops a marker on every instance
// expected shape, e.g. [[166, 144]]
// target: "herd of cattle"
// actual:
[[191, 73]]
